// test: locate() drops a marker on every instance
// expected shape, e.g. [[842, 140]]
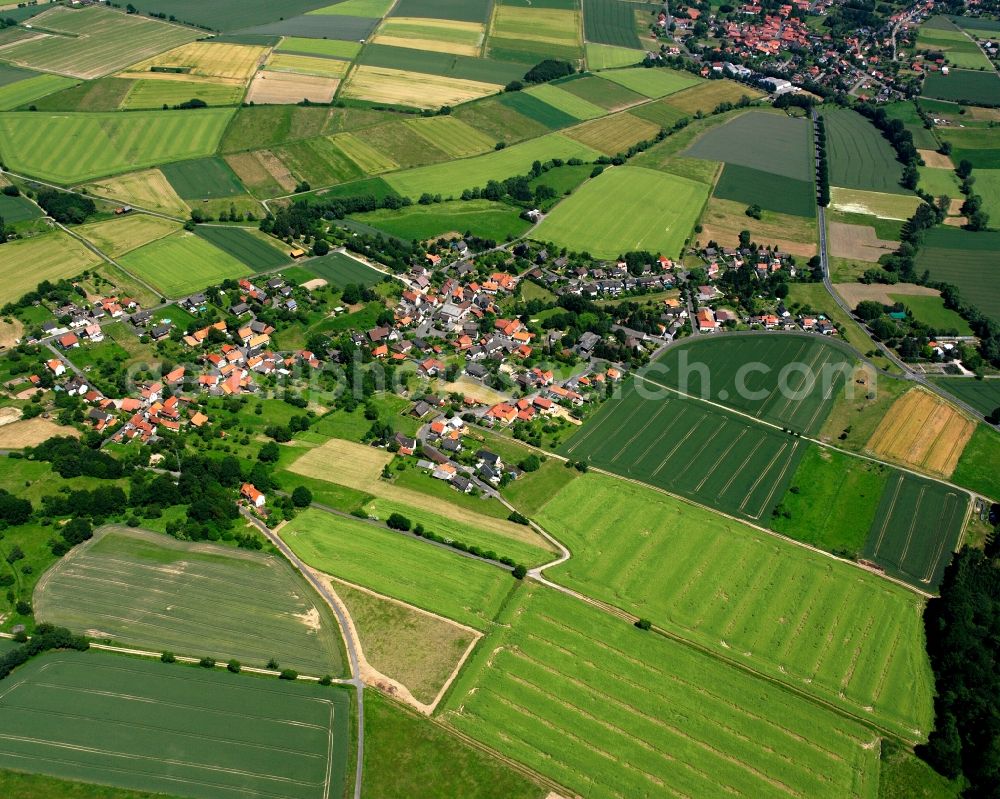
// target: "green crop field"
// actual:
[[368, 159], [652, 83], [831, 501], [568, 103], [977, 468], [776, 607], [26, 91], [227, 15], [659, 112], [318, 161], [413, 571], [529, 33], [253, 248], [979, 146], [937, 182], [182, 263], [606, 56], [932, 312], [967, 261], [203, 178], [482, 218], [144, 725], [988, 187], [69, 148], [503, 122], [614, 134], [451, 135], [774, 192], [624, 209], [690, 448], [609, 22], [608, 711], [357, 8], [460, 10], [331, 48], [451, 179], [535, 109], [780, 144], [485, 70], [95, 41], [152, 591], [787, 380], [17, 209], [339, 269], [604, 93], [940, 35], [963, 86], [266, 126], [916, 529], [157, 93], [983, 395], [860, 158], [53, 256]]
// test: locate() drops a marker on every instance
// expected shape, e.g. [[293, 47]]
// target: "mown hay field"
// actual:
[[614, 134], [922, 431], [829, 628], [149, 590], [604, 93], [439, 35], [182, 263], [530, 34], [147, 189], [483, 218], [115, 237], [25, 91], [24, 263], [262, 172], [653, 83], [706, 96], [289, 88], [96, 41], [689, 448], [227, 63], [414, 89], [229, 735], [916, 529], [307, 65], [405, 568], [158, 93], [450, 179], [606, 56], [873, 203], [331, 48], [359, 467], [860, 242], [564, 101], [69, 148], [32, 432], [860, 157], [780, 144], [451, 135], [625, 209], [589, 701]]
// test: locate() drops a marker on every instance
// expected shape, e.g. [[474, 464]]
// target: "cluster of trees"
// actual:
[[899, 137], [72, 458], [549, 69], [972, 208], [13, 510], [823, 166], [66, 208], [397, 521], [964, 647], [518, 189], [45, 638]]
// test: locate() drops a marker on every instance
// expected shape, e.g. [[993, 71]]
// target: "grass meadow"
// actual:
[[689, 448], [120, 235], [652, 83], [80, 716], [609, 711], [181, 263], [69, 148], [967, 261], [605, 93], [606, 56], [340, 269], [797, 616], [413, 571], [983, 395], [614, 134], [152, 591], [963, 86], [25, 91], [52, 256], [158, 93], [627, 208], [483, 218], [256, 250], [978, 468]]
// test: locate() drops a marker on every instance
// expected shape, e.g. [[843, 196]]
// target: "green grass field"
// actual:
[[413, 571], [483, 218], [318, 161], [916, 528], [249, 246], [746, 595], [967, 261], [604, 93], [152, 591], [105, 718], [451, 178], [26, 91], [963, 86], [792, 380], [17, 209], [860, 158], [500, 121], [339, 269], [182, 263], [652, 83], [938, 182], [52, 256], [203, 178], [606, 56], [428, 760], [931, 311], [832, 500], [331, 48], [627, 208], [157, 93], [781, 144], [609, 22], [610, 711], [614, 134], [983, 395], [941, 35], [979, 146], [451, 135], [987, 186], [537, 110], [690, 448], [774, 192], [977, 468], [659, 112], [571, 104], [69, 148]]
